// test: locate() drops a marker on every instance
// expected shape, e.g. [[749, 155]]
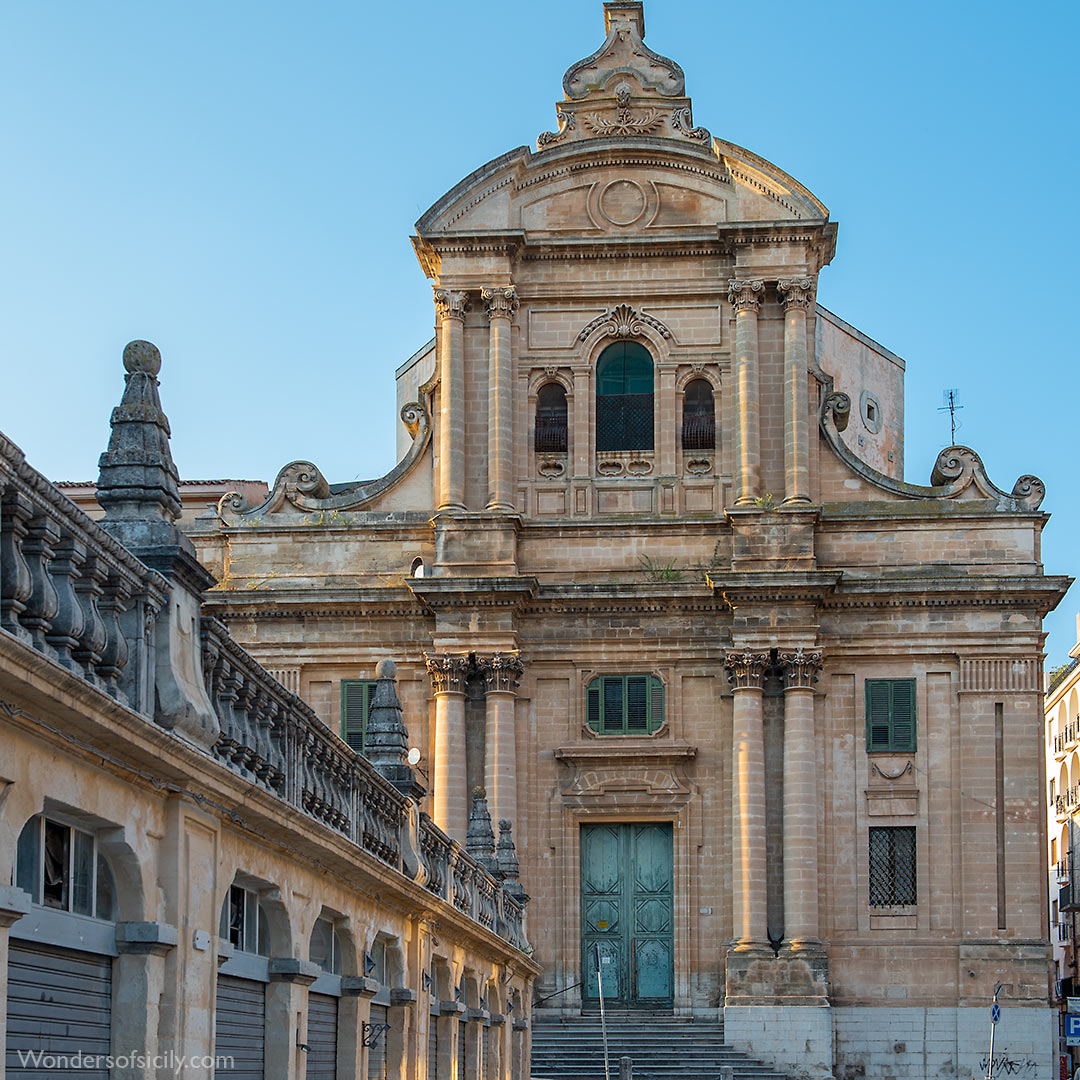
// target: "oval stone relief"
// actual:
[[623, 202]]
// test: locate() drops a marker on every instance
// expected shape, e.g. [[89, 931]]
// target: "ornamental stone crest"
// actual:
[[624, 89], [623, 321]]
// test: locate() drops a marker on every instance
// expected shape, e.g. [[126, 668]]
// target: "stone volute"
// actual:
[[386, 739]]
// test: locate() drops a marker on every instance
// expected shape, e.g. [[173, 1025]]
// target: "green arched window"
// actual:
[[624, 398], [625, 704]]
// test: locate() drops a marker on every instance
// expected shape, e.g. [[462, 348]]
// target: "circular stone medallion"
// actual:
[[622, 202]]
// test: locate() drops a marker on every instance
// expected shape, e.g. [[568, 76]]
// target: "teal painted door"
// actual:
[[626, 910]]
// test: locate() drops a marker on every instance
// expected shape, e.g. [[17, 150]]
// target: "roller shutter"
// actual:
[[322, 1037], [376, 1062], [59, 1001], [240, 1028], [433, 1047], [461, 1029]]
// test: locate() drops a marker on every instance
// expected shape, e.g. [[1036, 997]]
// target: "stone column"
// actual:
[[801, 671], [448, 673], [748, 898], [138, 983], [745, 297], [451, 307], [797, 296], [501, 672], [501, 303]]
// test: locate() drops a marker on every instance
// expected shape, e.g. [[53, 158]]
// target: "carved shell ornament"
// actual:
[[957, 468], [623, 321]]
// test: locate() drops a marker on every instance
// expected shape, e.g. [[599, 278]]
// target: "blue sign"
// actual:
[[995, 1013], [1072, 1029]]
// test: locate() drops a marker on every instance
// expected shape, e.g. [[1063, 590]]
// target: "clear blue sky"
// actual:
[[237, 182]]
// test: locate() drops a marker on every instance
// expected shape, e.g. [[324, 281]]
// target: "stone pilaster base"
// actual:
[[797, 978]]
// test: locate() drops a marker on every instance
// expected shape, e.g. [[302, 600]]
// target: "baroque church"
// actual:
[[648, 587]]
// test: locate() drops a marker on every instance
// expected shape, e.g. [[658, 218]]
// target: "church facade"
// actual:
[[765, 717]]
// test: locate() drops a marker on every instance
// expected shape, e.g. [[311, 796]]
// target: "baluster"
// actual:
[[67, 625], [226, 745], [39, 547], [248, 755], [232, 680], [89, 588], [276, 726], [15, 582], [115, 654], [260, 728]]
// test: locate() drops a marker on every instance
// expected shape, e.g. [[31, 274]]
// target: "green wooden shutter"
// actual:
[[903, 714], [637, 704], [356, 698], [593, 705], [656, 704], [890, 714], [614, 709]]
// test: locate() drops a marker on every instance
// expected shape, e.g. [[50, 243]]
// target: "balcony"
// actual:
[[1067, 739], [1064, 931], [1066, 803], [75, 595]]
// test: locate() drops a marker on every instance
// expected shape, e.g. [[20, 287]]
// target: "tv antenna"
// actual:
[[951, 399]]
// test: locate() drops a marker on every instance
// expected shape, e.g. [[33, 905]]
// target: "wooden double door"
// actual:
[[627, 915]]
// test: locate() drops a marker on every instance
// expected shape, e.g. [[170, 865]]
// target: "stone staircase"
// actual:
[[662, 1047]]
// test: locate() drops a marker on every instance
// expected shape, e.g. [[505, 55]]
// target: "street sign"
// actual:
[[995, 1013], [1072, 1004], [1072, 1029]]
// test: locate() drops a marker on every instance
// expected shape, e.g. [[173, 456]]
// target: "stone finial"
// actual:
[[386, 739], [480, 838], [138, 480], [507, 860]]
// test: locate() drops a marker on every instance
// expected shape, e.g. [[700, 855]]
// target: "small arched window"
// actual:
[[326, 947], [699, 416], [624, 398], [61, 867], [244, 921], [550, 435]]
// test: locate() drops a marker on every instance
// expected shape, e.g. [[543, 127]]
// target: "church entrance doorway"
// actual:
[[626, 907]]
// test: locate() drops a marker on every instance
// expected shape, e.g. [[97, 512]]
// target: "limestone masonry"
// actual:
[[763, 718]]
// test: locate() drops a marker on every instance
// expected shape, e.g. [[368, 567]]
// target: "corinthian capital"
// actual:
[[746, 669], [795, 292], [501, 671], [501, 303], [451, 304], [744, 294], [801, 669], [447, 671]]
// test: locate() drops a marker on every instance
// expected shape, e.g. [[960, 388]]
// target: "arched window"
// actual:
[[624, 398], [550, 435], [61, 867], [699, 416]]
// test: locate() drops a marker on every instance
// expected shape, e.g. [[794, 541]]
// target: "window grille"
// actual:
[[625, 704], [892, 867], [699, 416], [551, 431], [890, 714], [356, 698], [624, 398]]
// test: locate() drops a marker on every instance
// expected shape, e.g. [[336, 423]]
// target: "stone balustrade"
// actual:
[[72, 592]]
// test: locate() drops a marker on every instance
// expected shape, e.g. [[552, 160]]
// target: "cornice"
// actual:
[[440, 594]]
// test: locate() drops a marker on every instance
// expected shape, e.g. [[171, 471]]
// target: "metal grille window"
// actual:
[[356, 698], [892, 867], [624, 398], [551, 433], [890, 714], [699, 416], [625, 704]]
